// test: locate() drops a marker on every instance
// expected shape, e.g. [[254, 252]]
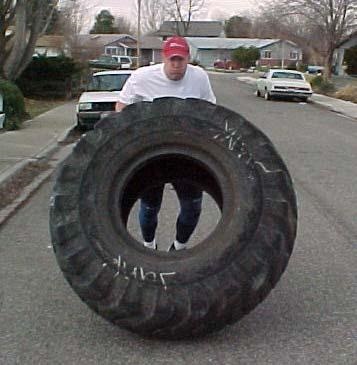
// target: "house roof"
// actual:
[[230, 43], [53, 41], [147, 42], [100, 40], [196, 29]]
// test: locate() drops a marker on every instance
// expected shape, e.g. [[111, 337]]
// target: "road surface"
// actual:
[[309, 318]]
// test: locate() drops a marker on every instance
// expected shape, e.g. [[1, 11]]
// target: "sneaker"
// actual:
[[177, 246], [151, 245]]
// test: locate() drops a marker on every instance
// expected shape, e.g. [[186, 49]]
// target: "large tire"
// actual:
[[190, 292]]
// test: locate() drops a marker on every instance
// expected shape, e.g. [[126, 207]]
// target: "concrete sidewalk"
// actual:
[[343, 107], [36, 140]]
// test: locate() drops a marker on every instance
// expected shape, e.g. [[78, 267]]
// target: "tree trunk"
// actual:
[[328, 60], [19, 41], [31, 19], [2, 44]]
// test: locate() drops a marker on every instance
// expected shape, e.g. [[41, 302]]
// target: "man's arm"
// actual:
[[206, 89], [127, 94], [119, 106]]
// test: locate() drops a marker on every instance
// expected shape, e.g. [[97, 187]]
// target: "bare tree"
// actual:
[[123, 25], [21, 23], [238, 27], [326, 20], [153, 14], [293, 28], [183, 11], [73, 24], [71, 19]]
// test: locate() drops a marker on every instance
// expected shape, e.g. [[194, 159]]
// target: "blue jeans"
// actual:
[[190, 199]]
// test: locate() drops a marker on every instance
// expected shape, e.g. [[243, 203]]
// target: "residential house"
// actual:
[[273, 52], [51, 46], [121, 45], [211, 29], [339, 54], [90, 46], [150, 48]]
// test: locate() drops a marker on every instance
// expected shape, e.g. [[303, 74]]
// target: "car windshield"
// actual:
[[107, 82], [286, 75], [124, 60]]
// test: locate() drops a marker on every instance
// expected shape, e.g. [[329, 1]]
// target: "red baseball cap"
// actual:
[[176, 46]]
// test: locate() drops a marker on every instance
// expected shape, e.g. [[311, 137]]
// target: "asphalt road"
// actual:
[[309, 318]]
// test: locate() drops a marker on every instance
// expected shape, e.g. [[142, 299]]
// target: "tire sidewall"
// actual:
[[109, 236]]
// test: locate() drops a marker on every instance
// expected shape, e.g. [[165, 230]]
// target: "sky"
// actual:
[[216, 9]]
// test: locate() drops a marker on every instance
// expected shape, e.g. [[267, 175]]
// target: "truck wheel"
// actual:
[[190, 292], [267, 96], [80, 126]]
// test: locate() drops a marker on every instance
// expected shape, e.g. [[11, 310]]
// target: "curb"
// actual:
[[57, 155], [29, 190], [50, 149]]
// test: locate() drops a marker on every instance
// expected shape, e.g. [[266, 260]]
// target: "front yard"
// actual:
[[35, 107]]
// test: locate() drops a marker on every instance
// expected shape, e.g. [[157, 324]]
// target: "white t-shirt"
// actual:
[[150, 82]]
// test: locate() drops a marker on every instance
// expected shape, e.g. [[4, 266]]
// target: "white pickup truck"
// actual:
[[283, 83], [100, 96]]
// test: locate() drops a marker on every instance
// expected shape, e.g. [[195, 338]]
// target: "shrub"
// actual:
[[48, 77], [54, 68], [348, 93], [246, 57], [301, 67], [14, 106], [322, 85]]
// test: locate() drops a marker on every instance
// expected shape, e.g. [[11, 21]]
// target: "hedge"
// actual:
[[49, 77], [14, 105]]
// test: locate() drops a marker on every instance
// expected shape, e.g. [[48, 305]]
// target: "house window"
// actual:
[[293, 55], [111, 51], [267, 54]]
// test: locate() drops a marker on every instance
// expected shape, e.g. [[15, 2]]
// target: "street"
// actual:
[[309, 318]]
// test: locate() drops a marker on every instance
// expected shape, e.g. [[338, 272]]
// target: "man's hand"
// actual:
[[119, 106]]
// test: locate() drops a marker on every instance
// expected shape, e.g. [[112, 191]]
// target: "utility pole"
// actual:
[[139, 34], [283, 54]]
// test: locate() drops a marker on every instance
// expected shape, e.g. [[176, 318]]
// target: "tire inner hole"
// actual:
[[171, 169]]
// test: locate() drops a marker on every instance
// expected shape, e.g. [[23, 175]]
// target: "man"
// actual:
[[173, 78]]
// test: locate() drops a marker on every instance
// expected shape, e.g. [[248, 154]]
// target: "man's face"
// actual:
[[175, 67]]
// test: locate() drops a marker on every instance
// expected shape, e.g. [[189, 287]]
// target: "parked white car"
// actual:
[[100, 96], [283, 83]]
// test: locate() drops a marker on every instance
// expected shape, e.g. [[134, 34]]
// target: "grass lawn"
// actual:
[[35, 107]]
